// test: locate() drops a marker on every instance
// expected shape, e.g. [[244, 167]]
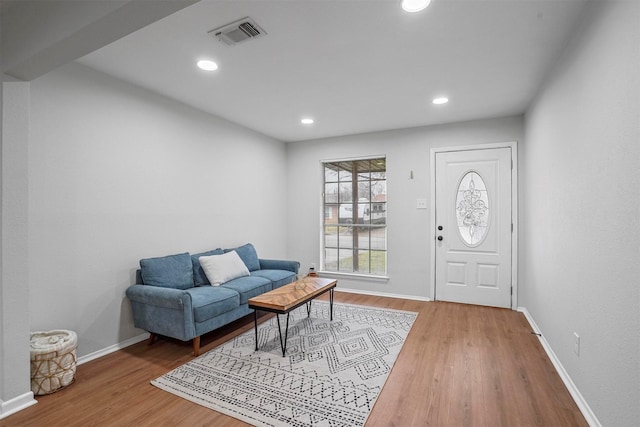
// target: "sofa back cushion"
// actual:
[[173, 271], [248, 255], [199, 276]]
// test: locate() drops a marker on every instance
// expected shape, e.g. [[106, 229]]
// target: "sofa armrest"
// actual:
[[162, 311], [275, 264], [159, 297]]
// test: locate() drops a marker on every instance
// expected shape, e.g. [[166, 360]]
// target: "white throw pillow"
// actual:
[[222, 268]]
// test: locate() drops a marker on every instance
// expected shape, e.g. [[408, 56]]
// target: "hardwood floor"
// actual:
[[461, 365]]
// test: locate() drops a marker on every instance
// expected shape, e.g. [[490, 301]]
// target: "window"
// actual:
[[355, 216]]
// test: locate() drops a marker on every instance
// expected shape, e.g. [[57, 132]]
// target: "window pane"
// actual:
[[346, 213], [345, 261], [330, 173], [363, 262], [363, 213], [344, 172], [344, 233], [378, 191], [378, 262], [346, 192], [345, 238], [378, 213], [330, 237], [331, 193], [379, 238], [363, 236], [364, 170], [331, 259]]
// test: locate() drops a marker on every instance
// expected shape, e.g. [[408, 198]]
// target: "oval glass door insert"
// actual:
[[472, 209]]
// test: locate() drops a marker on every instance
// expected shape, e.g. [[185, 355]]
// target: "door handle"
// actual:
[[440, 238]]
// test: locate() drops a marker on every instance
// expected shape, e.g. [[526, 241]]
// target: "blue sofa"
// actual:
[[173, 297]]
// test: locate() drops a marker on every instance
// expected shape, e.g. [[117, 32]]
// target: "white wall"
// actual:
[[581, 225], [409, 246], [15, 383], [116, 174]]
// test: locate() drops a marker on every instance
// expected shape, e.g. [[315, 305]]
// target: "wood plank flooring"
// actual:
[[461, 365]]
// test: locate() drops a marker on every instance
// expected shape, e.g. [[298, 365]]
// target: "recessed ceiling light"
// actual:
[[207, 65], [306, 121], [414, 5], [441, 100]]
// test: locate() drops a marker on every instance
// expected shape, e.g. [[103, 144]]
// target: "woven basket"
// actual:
[[53, 360]]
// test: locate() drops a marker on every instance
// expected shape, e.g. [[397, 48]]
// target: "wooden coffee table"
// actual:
[[289, 297]]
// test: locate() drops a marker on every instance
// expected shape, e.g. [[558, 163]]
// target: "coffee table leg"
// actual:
[[255, 322], [286, 334], [279, 332], [309, 309], [331, 304], [283, 346]]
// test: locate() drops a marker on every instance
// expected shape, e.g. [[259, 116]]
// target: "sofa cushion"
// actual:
[[199, 277], [222, 268], [248, 255], [248, 287], [173, 271], [209, 302], [277, 277]]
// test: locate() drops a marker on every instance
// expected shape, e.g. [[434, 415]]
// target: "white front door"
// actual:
[[473, 226]]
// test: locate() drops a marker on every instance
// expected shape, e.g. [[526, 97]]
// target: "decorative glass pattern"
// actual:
[[472, 209]]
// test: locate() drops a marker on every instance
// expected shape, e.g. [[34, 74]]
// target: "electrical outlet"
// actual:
[[421, 203], [313, 265], [576, 343]]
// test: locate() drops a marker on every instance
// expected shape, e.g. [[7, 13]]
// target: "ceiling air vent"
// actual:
[[238, 31]]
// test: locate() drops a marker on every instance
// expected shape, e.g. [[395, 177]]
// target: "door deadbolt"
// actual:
[[440, 227], [440, 238]]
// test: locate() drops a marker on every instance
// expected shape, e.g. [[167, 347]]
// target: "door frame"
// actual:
[[514, 211]]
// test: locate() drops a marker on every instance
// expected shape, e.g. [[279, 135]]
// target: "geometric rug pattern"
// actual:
[[331, 375]]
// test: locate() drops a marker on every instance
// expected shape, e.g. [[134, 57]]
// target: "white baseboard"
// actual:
[[16, 404], [566, 379], [382, 294], [112, 348]]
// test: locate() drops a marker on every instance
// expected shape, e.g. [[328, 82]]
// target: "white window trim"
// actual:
[[321, 218]]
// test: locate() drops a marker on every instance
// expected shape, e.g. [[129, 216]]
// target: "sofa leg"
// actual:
[[196, 346], [152, 338]]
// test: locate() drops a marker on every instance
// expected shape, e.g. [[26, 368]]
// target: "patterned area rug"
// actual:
[[331, 376]]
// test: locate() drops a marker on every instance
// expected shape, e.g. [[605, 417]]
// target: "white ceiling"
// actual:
[[37, 36], [353, 65]]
